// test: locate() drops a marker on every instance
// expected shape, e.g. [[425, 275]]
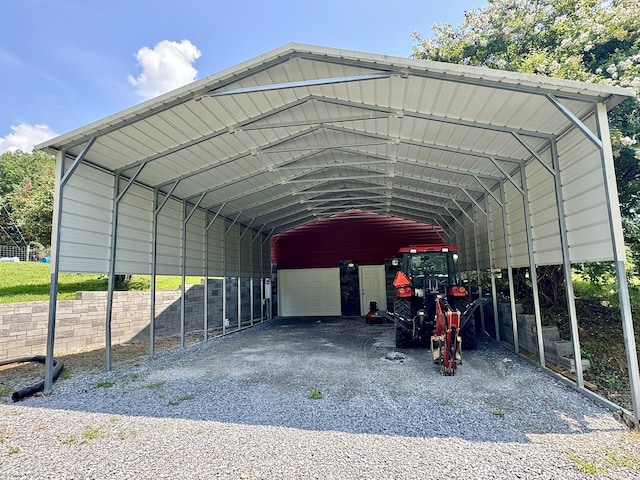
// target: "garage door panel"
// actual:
[[309, 292]]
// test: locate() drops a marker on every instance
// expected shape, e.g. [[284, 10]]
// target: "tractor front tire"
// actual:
[[404, 338], [402, 308], [468, 334]]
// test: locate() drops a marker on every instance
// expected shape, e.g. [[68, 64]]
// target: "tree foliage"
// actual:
[[588, 40], [26, 191]]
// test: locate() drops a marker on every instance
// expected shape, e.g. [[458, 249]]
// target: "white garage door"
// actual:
[[309, 292]]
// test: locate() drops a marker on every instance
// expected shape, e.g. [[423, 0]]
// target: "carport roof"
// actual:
[[303, 132]]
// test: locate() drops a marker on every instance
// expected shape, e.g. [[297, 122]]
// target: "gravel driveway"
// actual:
[[238, 407]]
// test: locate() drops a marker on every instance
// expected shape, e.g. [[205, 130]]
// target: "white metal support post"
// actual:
[[62, 177], [205, 293], [207, 227], [533, 274], [494, 293], [117, 197], [554, 171], [507, 253], [566, 265], [615, 223], [157, 207], [603, 142], [239, 284], [186, 216]]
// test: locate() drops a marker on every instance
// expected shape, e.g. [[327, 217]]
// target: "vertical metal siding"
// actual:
[[245, 254], [86, 221], [232, 249], [585, 200], [216, 250], [169, 233], [497, 234], [135, 215], [195, 244], [516, 224], [544, 215], [483, 238]]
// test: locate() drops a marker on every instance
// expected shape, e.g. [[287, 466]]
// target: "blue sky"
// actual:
[[67, 63]]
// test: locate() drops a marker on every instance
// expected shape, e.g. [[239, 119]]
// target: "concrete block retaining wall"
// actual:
[[556, 351], [80, 323]]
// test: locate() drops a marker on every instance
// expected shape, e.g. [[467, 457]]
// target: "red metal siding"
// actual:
[[367, 238]]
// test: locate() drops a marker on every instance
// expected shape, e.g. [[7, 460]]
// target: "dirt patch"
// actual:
[[19, 375]]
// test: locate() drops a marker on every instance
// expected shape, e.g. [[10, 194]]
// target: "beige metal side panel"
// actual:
[[195, 244], [516, 226], [135, 217], [216, 248], [246, 253], [309, 292], [256, 256], [266, 259], [232, 250], [169, 238], [86, 221], [544, 215], [483, 238], [497, 234], [585, 201]]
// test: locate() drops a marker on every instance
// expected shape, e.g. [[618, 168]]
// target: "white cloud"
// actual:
[[24, 137], [166, 66]]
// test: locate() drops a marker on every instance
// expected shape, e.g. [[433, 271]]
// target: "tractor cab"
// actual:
[[428, 269]]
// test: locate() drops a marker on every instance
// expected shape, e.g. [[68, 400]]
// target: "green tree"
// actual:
[[588, 40], [26, 191]]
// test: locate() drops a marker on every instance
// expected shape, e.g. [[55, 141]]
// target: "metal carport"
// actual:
[[516, 169]]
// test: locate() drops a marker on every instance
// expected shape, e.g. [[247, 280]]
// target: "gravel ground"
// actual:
[[238, 407]]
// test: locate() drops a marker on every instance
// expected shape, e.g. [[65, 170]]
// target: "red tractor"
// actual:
[[431, 307]]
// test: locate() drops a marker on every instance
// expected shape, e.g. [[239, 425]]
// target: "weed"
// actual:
[[627, 460], [68, 441], [135, 377], [105, 384], [585, 466], [5, 390], [66, 374], [448, 402], [181, 399], [14, 450], [155, 384], [91, 433], [498, 413], [315, 394]]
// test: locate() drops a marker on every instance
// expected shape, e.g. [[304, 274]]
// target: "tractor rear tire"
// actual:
[[402, 308]]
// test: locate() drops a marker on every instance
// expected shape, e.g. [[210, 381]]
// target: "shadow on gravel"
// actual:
[[338, 374]]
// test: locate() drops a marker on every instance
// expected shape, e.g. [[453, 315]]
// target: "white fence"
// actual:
[[23, 254]]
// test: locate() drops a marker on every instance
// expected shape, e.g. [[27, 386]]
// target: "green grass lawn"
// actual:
[[29, 282]]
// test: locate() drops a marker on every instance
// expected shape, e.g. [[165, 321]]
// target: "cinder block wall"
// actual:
[[80, 323], [556, 351]]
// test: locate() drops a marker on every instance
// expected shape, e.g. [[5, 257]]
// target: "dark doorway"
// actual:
[[349, 288]]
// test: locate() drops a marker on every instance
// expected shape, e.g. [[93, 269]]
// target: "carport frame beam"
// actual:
[[53, 286]]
